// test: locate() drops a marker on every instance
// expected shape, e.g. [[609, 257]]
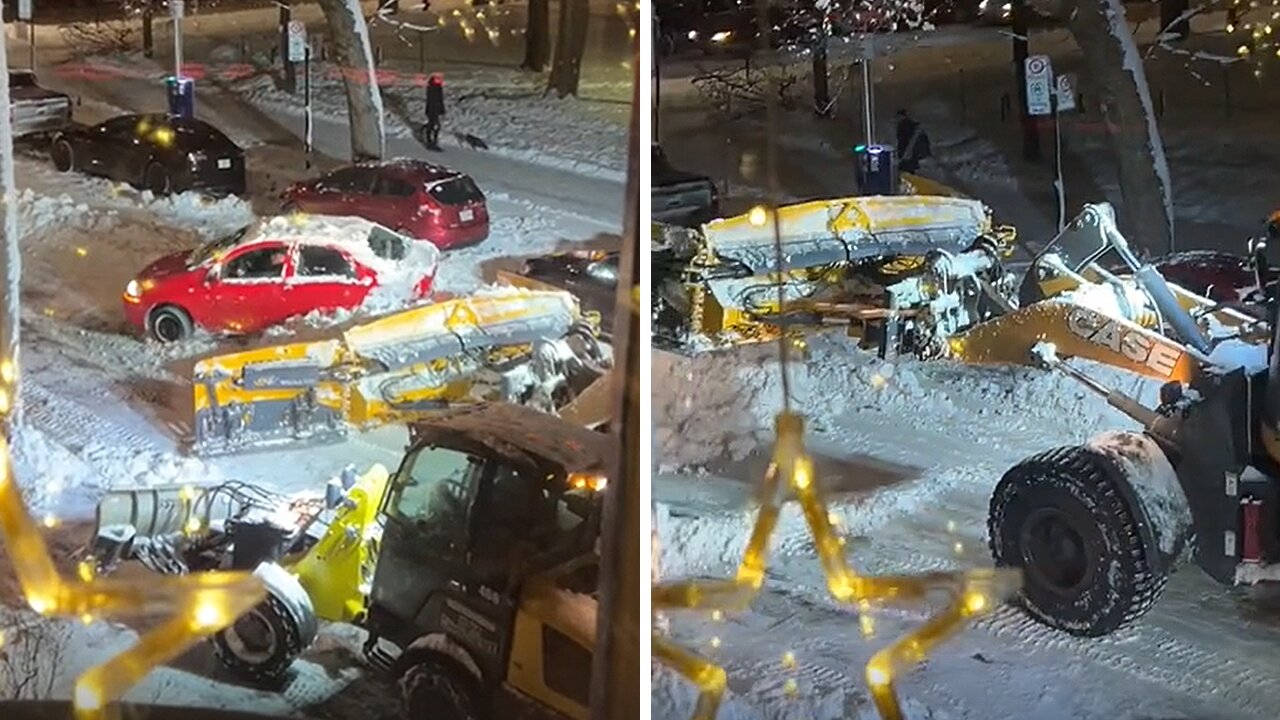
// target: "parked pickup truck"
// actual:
[[35, 109], [679, 197]]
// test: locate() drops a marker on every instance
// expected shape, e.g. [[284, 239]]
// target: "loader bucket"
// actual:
[[420, 359]]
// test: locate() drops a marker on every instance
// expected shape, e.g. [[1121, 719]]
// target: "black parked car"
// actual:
[[159, 153], [592, 276], [680, 197]]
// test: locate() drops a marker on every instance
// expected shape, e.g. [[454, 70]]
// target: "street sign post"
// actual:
[[297, 41], [1066, 93], [26, 14], [1039, 85], [176, 12]]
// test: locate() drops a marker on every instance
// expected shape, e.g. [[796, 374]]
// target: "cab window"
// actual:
[[433, 492], [323, 263]]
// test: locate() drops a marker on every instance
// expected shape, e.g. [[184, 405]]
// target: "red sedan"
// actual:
[[425, 201], [277, 269]]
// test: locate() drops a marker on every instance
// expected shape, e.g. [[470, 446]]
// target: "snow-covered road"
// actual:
[[909, 454]]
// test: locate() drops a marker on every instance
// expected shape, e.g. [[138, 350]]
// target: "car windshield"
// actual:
[[456, 192], [212, 250], [22, 80]]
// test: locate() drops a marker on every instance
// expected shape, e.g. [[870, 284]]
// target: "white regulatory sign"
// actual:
[[1066, 92], [24, 10], [176, 9], [1039, 85], [297, 41]]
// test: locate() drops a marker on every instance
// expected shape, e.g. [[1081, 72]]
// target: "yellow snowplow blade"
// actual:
[[421, 359]]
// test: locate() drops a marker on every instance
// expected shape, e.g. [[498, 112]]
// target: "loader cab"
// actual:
[[465, 528]]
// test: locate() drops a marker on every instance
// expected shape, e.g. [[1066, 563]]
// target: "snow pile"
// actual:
[[1232, 354], [66, 483]]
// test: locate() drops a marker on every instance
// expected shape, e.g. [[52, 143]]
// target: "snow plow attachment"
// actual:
[[503, 344], [848, 260]]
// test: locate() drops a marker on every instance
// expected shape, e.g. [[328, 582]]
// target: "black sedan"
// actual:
[[591, 276], [159, 153]]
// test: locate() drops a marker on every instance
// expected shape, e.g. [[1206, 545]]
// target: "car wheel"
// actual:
[[170, 324], [156, 179], [262, 645], [1062, 518], [63, 156], [439, 690]]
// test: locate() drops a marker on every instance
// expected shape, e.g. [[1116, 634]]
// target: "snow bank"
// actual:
[[504, 108]]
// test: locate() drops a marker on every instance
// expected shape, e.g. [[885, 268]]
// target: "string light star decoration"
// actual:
[[197, 605], [971, 593]]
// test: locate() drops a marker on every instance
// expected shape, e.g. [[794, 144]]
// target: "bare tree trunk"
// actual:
[[537, 36], [1115, 67], [10, 260], [354, 54], [571, 44], [821, 89]]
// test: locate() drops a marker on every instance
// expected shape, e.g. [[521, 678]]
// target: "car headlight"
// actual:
[[721, 36], [693, 34], [1008, 8], [982, 6], [133, 289]]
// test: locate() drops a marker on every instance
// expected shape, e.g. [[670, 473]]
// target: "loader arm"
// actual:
[[505, 344]]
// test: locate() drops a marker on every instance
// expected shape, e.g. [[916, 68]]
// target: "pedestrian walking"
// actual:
[[913, 143], [435, 111]]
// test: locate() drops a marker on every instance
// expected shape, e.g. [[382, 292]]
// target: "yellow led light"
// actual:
[[788, 660], [200, 603], [758, 216], [82, 251], [5, 405], [715, 642], [49, 521], [7, 372], [971, 592]]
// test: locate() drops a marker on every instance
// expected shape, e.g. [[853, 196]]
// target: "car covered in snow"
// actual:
[[36, 110], [160, 153], [276, 269], [421, 199]]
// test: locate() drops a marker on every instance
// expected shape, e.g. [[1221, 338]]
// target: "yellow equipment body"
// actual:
[[477, 348]]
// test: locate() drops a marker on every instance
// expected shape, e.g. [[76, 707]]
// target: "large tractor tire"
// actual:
[[1075, 520], [263, 643], [440, 690]]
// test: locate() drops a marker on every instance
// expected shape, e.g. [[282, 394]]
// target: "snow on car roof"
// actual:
[[349, 233], [430, 170]]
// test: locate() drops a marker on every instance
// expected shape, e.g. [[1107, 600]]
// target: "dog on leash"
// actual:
[[471, 141]]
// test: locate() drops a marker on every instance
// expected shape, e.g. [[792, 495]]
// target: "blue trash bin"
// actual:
[[876, 169], [182, 96]]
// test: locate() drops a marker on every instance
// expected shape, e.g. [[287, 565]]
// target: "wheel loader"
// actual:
[[503, 344], [472, 566], [1097, 528], [928, 277]]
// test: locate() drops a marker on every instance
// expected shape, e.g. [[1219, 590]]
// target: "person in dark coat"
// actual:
[[913, 143], [435, 110]]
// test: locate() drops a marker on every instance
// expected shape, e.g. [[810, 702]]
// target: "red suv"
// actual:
[[426, 201], [276, 269]]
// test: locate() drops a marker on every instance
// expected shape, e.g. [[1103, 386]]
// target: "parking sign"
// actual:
[[1066, 92], [1039, 85], [297, 41]]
